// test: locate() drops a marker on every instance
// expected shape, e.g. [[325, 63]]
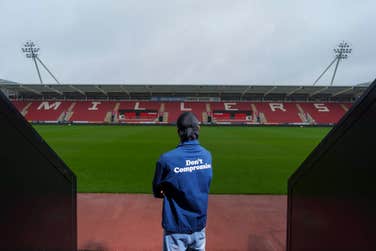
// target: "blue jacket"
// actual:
[[184, 175]]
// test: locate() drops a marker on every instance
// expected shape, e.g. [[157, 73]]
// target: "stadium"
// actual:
[[258, 135], [161, 104], [187, 125]]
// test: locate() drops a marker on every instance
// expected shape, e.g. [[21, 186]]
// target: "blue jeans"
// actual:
[[182, 242]]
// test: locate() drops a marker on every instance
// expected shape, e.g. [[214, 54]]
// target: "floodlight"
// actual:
[[342, 51]]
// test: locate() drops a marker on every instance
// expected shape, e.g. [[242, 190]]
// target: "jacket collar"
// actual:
[[190, 142]]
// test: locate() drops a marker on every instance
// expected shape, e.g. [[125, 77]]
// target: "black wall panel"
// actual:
[[38, 191], [332, 196]]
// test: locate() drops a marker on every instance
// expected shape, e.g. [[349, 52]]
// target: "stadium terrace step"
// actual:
[[263, 119], [25, 109], [345, 108]]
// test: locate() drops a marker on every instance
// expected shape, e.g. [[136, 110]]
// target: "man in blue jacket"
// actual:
[[182, 178]]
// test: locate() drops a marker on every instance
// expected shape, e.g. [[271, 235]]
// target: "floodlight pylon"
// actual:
[[342, 51], [31, 51]]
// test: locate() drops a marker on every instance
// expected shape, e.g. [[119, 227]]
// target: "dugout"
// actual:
[[332, 195], [38, 207]]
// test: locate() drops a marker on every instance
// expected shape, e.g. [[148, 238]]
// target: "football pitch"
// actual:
[[121, 159]]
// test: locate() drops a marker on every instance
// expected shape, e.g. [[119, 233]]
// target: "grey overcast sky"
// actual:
[[188, 41]]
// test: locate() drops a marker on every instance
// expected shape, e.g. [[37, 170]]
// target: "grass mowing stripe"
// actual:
[[255, 160]]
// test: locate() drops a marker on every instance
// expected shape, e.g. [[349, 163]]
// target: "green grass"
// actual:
[[255, 160]]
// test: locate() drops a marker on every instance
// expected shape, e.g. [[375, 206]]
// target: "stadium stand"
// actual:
[[48, 111], [89, 111], [280, 113], [168, 112], [174, 109], [212, 104], [227, 112], [138, 112], [323, 113], [22, 106]]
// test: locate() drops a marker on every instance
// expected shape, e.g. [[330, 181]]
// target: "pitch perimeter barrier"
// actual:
[[38, 191], [332, 195]]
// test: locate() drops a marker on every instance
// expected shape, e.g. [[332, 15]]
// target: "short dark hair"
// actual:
[[188, 126]]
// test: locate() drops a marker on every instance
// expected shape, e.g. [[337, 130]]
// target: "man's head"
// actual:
[[188, 127]]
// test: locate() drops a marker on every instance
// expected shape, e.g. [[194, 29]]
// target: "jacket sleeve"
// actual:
[[157, 180]]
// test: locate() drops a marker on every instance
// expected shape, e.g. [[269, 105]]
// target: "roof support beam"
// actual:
[[343, 91], [293, 91], [318, 91], [245, 91], [100, 89], [269, 91], [124, 90], [53, 89], [77, 89], [30, 90], [149, 90]]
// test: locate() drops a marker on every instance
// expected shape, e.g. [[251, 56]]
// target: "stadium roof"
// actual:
[[3, 81], [223, 92]]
